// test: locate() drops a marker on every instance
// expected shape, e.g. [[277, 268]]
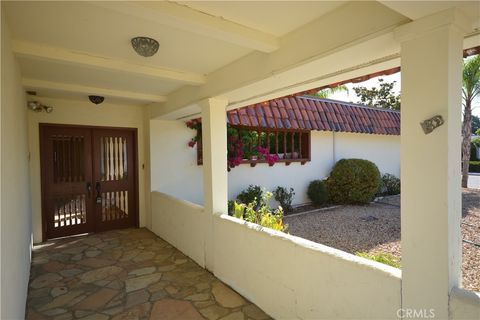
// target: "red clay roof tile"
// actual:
[[310, 113]]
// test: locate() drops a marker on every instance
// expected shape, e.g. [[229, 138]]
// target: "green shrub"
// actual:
[[317, 192], [385, 258], [389, 185], [263, 216], [251, 194], [284, 197], [474, 166], [473, 153], [476, 142], [353, 181]]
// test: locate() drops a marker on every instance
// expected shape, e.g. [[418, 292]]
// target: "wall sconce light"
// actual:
[[38, 107], [431, 124]]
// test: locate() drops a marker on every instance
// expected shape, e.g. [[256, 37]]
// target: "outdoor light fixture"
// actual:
[[431, 124], [96, 99], [38, 107], [144, 46]]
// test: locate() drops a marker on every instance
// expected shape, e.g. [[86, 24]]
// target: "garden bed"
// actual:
[[375, 228]]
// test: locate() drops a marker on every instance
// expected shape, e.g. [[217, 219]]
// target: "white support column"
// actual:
[[431, 61], [215, 179]]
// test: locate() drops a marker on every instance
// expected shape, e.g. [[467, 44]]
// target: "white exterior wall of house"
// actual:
[[86, 113], [16, 224], [169, 149]]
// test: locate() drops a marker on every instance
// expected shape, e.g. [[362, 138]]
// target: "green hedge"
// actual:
[[353, 181], [474, 166]]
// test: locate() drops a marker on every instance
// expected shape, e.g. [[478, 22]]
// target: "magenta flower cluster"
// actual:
[[270, 158]]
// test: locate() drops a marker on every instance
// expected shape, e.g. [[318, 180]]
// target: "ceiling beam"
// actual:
[[188, 19], [75, 88], [32, 50]]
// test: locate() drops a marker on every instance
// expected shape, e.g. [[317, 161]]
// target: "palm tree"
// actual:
[[325, 93], [471, 89]]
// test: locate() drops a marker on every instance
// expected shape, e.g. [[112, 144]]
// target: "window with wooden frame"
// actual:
[[288, 145]]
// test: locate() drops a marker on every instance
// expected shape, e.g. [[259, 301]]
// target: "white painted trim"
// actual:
[[32, 50], [42, 84]]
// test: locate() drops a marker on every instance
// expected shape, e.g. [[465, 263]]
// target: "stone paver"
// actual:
[[127, 274]]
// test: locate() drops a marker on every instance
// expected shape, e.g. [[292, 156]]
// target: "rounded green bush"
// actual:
[[353, 181], [317, 192]]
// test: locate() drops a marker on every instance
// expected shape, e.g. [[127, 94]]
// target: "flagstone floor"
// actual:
[[127, 274]]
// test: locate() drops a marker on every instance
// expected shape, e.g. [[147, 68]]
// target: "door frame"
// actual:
[[43, 171]]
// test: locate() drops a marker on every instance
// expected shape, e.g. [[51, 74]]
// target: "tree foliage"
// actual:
[[476, 124], [326, 93], [381, 97], [470, 90]]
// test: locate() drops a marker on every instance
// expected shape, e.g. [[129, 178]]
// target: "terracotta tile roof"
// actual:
[[310, 113]]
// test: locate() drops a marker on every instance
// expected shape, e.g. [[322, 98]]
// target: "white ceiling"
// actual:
[[274, 17], [69, 47]]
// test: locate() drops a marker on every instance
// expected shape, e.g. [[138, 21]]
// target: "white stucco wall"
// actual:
[[86, 113], [16, 225], [168, 145], [293, 278], [181, 223], [382, 150], [286, 276], [464, 304]]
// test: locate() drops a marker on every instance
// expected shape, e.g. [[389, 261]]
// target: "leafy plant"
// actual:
[[382, 257], [473, 152], [389, 185], [251, 194], [261, 215], [353, 181], [317, 192], [241, 144], [196, 125], [284, 197], [474, 166]]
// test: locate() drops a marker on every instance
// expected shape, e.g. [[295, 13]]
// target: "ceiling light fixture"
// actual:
[[144, 46], [96, 99]]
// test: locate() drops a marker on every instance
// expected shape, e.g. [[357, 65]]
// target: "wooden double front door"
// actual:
[[88, 179]]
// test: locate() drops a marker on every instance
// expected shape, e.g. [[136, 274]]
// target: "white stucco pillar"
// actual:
[[215, 179], [431, 62]]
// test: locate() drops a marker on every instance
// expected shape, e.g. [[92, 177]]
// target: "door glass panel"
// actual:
[[68, 158], [114, 205], [113, 158], [69, 211]]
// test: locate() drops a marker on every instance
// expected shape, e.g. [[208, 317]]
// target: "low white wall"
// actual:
[[292, 278], [168, 147], [286, 276], [15, 222], [464, 304], [181, 223]]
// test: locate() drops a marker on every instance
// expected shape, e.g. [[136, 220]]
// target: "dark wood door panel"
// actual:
[[114, 175], [89, 180], [66, 177]]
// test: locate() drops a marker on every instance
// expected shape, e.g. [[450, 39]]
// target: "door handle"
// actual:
[[89, 189], [98, 188]]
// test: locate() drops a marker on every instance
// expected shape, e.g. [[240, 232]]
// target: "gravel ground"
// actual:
[[376, 228]]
